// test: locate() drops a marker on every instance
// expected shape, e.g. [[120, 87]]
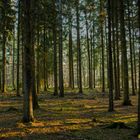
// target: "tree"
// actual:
[[78, 49], [116, 82], [28, 104], [126, 100], [88, 52], [131, 49], [71, 71], [138, 123], [102, 42], [5, 4], [55, 50], [13, 67], [61, 84], [18, 44], [110, 67], [7, 27]]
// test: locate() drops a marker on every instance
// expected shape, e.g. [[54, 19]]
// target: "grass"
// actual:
[[73, 117]]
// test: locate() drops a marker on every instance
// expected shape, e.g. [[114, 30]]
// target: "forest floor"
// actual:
[[74, 117]]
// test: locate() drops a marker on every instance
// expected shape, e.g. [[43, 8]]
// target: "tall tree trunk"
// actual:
[[134, 57], [79, 49], [55, 51], [131, 49], [102, 45], [110, 66], [4, 48], [94, 61], [18, 45], [88, 53], [117, 46], [126, 100], [138, 124], [71, 72], [22, 70], [34, 93], [38, 62], [44, 61], [114, 50], [28, 104], [61, 81], [13, 66]]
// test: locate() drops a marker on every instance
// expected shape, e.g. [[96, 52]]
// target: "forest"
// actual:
[[69, 69]]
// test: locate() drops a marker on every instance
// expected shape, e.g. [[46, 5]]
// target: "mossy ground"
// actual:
[[74, 117]]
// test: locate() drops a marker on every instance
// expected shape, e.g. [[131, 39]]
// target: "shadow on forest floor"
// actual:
[[70, 118]]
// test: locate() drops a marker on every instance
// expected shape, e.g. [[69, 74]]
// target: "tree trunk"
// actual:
[[55, 51], [79, 49], [102, 45], [88, 53], [61, 82], [28, 104], [131, 49], [71, 72], [126, 100], [110, 67], [18, 45], [44, 61], [38, 63], [138, 125], [117, 47], [114, 50], [34, 93], [4, 49], [13, 66]]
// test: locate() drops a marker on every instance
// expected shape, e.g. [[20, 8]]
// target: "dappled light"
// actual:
[[69, 69], [68, 118]]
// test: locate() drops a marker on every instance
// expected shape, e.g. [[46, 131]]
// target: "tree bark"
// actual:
[[79, 48], [126, 100], [61, 81], [102, 45], [138, 123], [4, 48], [71, 71], [28, 104], [18, 45], [131, 49], [110, 67]]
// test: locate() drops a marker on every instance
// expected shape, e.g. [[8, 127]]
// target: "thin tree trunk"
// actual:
[[38, 62], [4, 50], [131, 49], [79, 49], [71, 73], [44, 61], [138, 123], [13, 66], [134, 57], [126, 100], [110, 66], [102, 45], [114, 50], [117, 47], [18, 45], [89, 54], [94, 61], [55, 52], [34, 93], [61, 82]]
